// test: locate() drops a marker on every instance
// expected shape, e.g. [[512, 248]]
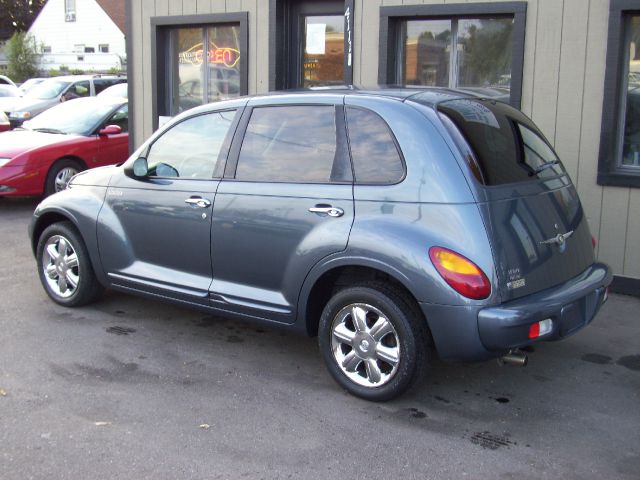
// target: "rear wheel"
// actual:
[[373, 341], [60, 174], [64, 266]]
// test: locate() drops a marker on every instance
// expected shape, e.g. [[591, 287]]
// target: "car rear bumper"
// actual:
[[570, 307], [469, 333]]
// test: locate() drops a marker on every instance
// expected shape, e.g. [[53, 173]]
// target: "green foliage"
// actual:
[[54, 72], [76, 71], [22, 56], [114, 71]]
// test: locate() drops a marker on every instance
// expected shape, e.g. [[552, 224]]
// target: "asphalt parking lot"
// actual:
[[131, 389]]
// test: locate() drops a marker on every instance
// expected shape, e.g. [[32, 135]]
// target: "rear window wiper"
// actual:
[[544, 166], [49, 130]]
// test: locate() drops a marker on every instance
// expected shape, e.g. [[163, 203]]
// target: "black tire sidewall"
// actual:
[[49, 185], [87, 285], [397, 314]]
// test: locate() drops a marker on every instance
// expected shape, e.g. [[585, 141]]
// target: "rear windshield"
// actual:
[[498, 142]]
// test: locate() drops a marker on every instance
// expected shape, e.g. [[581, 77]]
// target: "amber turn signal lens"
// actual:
[[464, 276]]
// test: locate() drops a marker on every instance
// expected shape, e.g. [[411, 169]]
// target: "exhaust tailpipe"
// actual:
[[514, 357]]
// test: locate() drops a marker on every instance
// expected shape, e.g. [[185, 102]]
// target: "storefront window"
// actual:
[[631, 98], [619, 160], [477, 46], [193, 66], [470, 53]]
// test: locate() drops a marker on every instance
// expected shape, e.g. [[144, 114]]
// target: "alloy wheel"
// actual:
[[365, 345]]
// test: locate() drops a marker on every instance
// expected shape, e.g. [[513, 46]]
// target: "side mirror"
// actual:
[[138, 169], [110, 130]]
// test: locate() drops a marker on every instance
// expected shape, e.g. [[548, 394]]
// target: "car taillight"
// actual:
[[594, 242], [464, 276]]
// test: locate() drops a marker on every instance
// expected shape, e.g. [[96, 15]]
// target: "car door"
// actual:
[[285, 203], [154, 232], [111, 148]]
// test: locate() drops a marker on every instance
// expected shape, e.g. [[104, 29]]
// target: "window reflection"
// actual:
[[202, 75], [323, 58], [191, 148], [467, 53], [289, 144], [631, 134]]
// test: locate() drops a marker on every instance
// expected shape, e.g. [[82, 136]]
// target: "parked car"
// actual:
[[41, 156], [395, 224], [4, 80], [29, 84], [59, 89], [4, 122], [118, 90], [9, 95]]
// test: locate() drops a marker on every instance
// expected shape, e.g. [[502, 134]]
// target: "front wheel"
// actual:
[[64, 266], [60, 174], [373, 341]]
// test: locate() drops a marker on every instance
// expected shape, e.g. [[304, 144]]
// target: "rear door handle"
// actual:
[[328, 210], [198, 202]]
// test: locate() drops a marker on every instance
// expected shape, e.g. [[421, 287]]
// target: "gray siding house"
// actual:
[[573, 66]]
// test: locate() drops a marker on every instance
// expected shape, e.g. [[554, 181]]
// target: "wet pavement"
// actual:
[[128, 388]]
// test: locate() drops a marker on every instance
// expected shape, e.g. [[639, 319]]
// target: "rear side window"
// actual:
[[289, 144], [498, 142], [376, 159]]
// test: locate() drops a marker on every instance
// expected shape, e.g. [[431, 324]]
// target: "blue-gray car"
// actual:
[[395, 224]]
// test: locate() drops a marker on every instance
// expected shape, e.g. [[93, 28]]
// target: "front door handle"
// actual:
[[198, 202], [327, 209]]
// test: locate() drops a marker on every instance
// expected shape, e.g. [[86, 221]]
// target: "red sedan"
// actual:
[[41, 156]]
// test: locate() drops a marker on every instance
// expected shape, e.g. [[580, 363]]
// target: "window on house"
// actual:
[[479, 47], [89, 50], [103, 48], [46, 49], [69, 10], [619, 162]]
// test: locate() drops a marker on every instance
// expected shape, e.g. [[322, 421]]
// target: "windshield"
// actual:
[[80, 117], [47, 90], [8, 91]]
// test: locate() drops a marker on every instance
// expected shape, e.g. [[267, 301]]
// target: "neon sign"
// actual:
[[227, 56]]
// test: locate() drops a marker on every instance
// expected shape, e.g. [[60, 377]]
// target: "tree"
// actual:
[[18, 15], [22, 56]]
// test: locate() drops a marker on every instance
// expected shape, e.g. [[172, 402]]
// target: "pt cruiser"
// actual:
[[394, 224]]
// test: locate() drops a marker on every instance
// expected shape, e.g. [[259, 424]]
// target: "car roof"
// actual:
[[74, 78], [428, 95]]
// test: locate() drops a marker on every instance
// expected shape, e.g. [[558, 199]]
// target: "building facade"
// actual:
[[86, 35], [573, 66]]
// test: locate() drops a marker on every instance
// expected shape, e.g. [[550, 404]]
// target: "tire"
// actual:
[[59, 175], [374, 341], [64, 266]]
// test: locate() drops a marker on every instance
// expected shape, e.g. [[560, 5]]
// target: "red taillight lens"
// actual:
[[464, 276], [594, 242], [534, 330]]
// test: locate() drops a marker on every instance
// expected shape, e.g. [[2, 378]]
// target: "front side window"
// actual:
[[192, 148], [289, 144], [619, 161], [478, 47]]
